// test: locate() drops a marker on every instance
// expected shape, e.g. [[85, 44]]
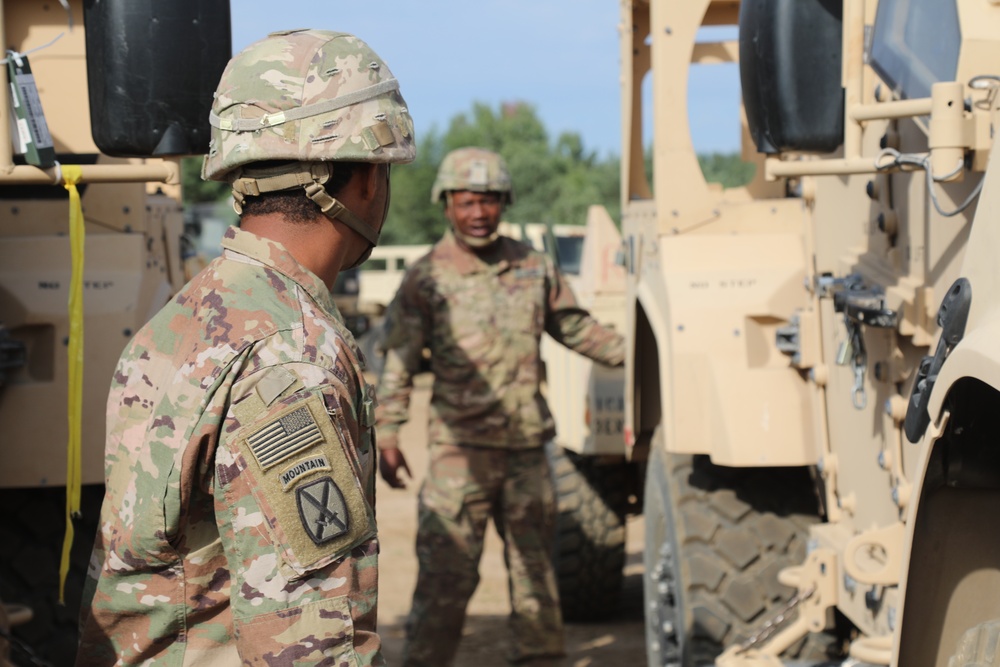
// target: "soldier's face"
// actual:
[[475, 214], [378, 209]]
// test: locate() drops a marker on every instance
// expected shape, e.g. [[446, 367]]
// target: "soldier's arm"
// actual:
[[574, 327], [406, 330], [295, 510]]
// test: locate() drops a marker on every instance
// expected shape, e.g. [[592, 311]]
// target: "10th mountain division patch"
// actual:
[[323, 510]]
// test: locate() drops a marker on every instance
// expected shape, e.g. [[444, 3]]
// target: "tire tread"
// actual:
[[734, 529], [590, 534]]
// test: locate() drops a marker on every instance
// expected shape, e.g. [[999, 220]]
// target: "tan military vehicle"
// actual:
[[129, 78], [594, 482], [815, 357]]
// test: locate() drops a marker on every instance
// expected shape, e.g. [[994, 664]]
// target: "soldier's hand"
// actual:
[[391, 462]]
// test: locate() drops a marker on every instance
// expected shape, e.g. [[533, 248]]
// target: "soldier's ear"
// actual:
[[370, 179]]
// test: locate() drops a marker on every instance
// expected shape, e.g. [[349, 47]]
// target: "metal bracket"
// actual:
[[857, 300], [864, 305], [875, 557], [816, 580], [827, 286], [788, 339]]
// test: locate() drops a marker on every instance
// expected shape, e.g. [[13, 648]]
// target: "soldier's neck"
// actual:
[[488, 253], [318, 245]]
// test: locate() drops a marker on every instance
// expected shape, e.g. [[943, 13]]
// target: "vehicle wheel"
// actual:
[[978, 647], [31, 537], [716, 539], [590, 533]]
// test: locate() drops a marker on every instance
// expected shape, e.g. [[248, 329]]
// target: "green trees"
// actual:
[[726, 168], [554, 180], [197, 191]]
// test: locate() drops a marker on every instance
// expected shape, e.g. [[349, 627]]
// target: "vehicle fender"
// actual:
[[650, 298]]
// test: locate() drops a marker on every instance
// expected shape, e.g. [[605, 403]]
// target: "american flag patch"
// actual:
[[284, 437]]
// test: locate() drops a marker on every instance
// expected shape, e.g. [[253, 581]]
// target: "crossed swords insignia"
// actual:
[[323, 510]]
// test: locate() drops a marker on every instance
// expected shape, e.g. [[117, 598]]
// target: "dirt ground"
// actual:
[[618, 641]]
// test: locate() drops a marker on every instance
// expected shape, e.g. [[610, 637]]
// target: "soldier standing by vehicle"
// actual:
[[238, 524], [480, 302]]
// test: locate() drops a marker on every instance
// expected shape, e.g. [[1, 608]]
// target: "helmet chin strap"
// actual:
[[335, 210], [310, 177], [476, 242]]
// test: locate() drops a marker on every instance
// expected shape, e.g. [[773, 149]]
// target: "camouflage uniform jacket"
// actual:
[[482, 319], [238, 525]]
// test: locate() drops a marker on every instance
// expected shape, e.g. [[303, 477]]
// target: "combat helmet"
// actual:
[[474, 169], [310, 99]]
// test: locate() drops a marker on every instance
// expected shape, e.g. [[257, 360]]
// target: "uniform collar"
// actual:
[[274, 255], [465, 262]]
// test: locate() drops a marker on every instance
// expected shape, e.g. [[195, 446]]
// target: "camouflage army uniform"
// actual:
[[238, 526], [482, 316]]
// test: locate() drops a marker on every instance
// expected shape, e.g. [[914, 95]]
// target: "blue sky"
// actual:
[[561, 56]]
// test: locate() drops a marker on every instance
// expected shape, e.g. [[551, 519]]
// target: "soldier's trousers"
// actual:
[[463, 488]]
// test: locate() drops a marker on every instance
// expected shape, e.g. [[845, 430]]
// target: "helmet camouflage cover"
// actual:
[[475, 169], [307, 96]]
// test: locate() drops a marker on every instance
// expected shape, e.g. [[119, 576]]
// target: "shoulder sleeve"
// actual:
[[574, 327], [296, 518], [297, 463]]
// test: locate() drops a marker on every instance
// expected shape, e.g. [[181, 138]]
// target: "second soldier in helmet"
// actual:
[[480, 303]]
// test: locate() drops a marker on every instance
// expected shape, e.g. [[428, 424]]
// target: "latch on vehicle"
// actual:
[[952, 317]]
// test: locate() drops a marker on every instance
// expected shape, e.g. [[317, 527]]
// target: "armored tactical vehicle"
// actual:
[[814, 358], [104, 93], [594, 482]]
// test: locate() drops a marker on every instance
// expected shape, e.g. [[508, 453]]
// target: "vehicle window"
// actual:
[[916, 44], [569, 253]]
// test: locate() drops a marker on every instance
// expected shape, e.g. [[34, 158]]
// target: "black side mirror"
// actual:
[[790, 72], [152, 67]]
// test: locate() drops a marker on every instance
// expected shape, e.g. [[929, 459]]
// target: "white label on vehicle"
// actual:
[[23, 134], [607, 405], [26, 84]]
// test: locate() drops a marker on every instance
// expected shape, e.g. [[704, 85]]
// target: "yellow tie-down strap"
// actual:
[[71, 176]]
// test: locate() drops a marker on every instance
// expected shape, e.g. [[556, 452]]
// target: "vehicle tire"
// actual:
[[978, 647], [31, 538], [716, 539], [590, 533]]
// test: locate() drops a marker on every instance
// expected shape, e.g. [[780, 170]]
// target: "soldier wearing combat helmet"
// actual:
[[472, 170], [238, 526], [480, 302]]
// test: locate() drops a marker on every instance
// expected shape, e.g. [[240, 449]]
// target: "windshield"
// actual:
[[569, 251], [916, 44]]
